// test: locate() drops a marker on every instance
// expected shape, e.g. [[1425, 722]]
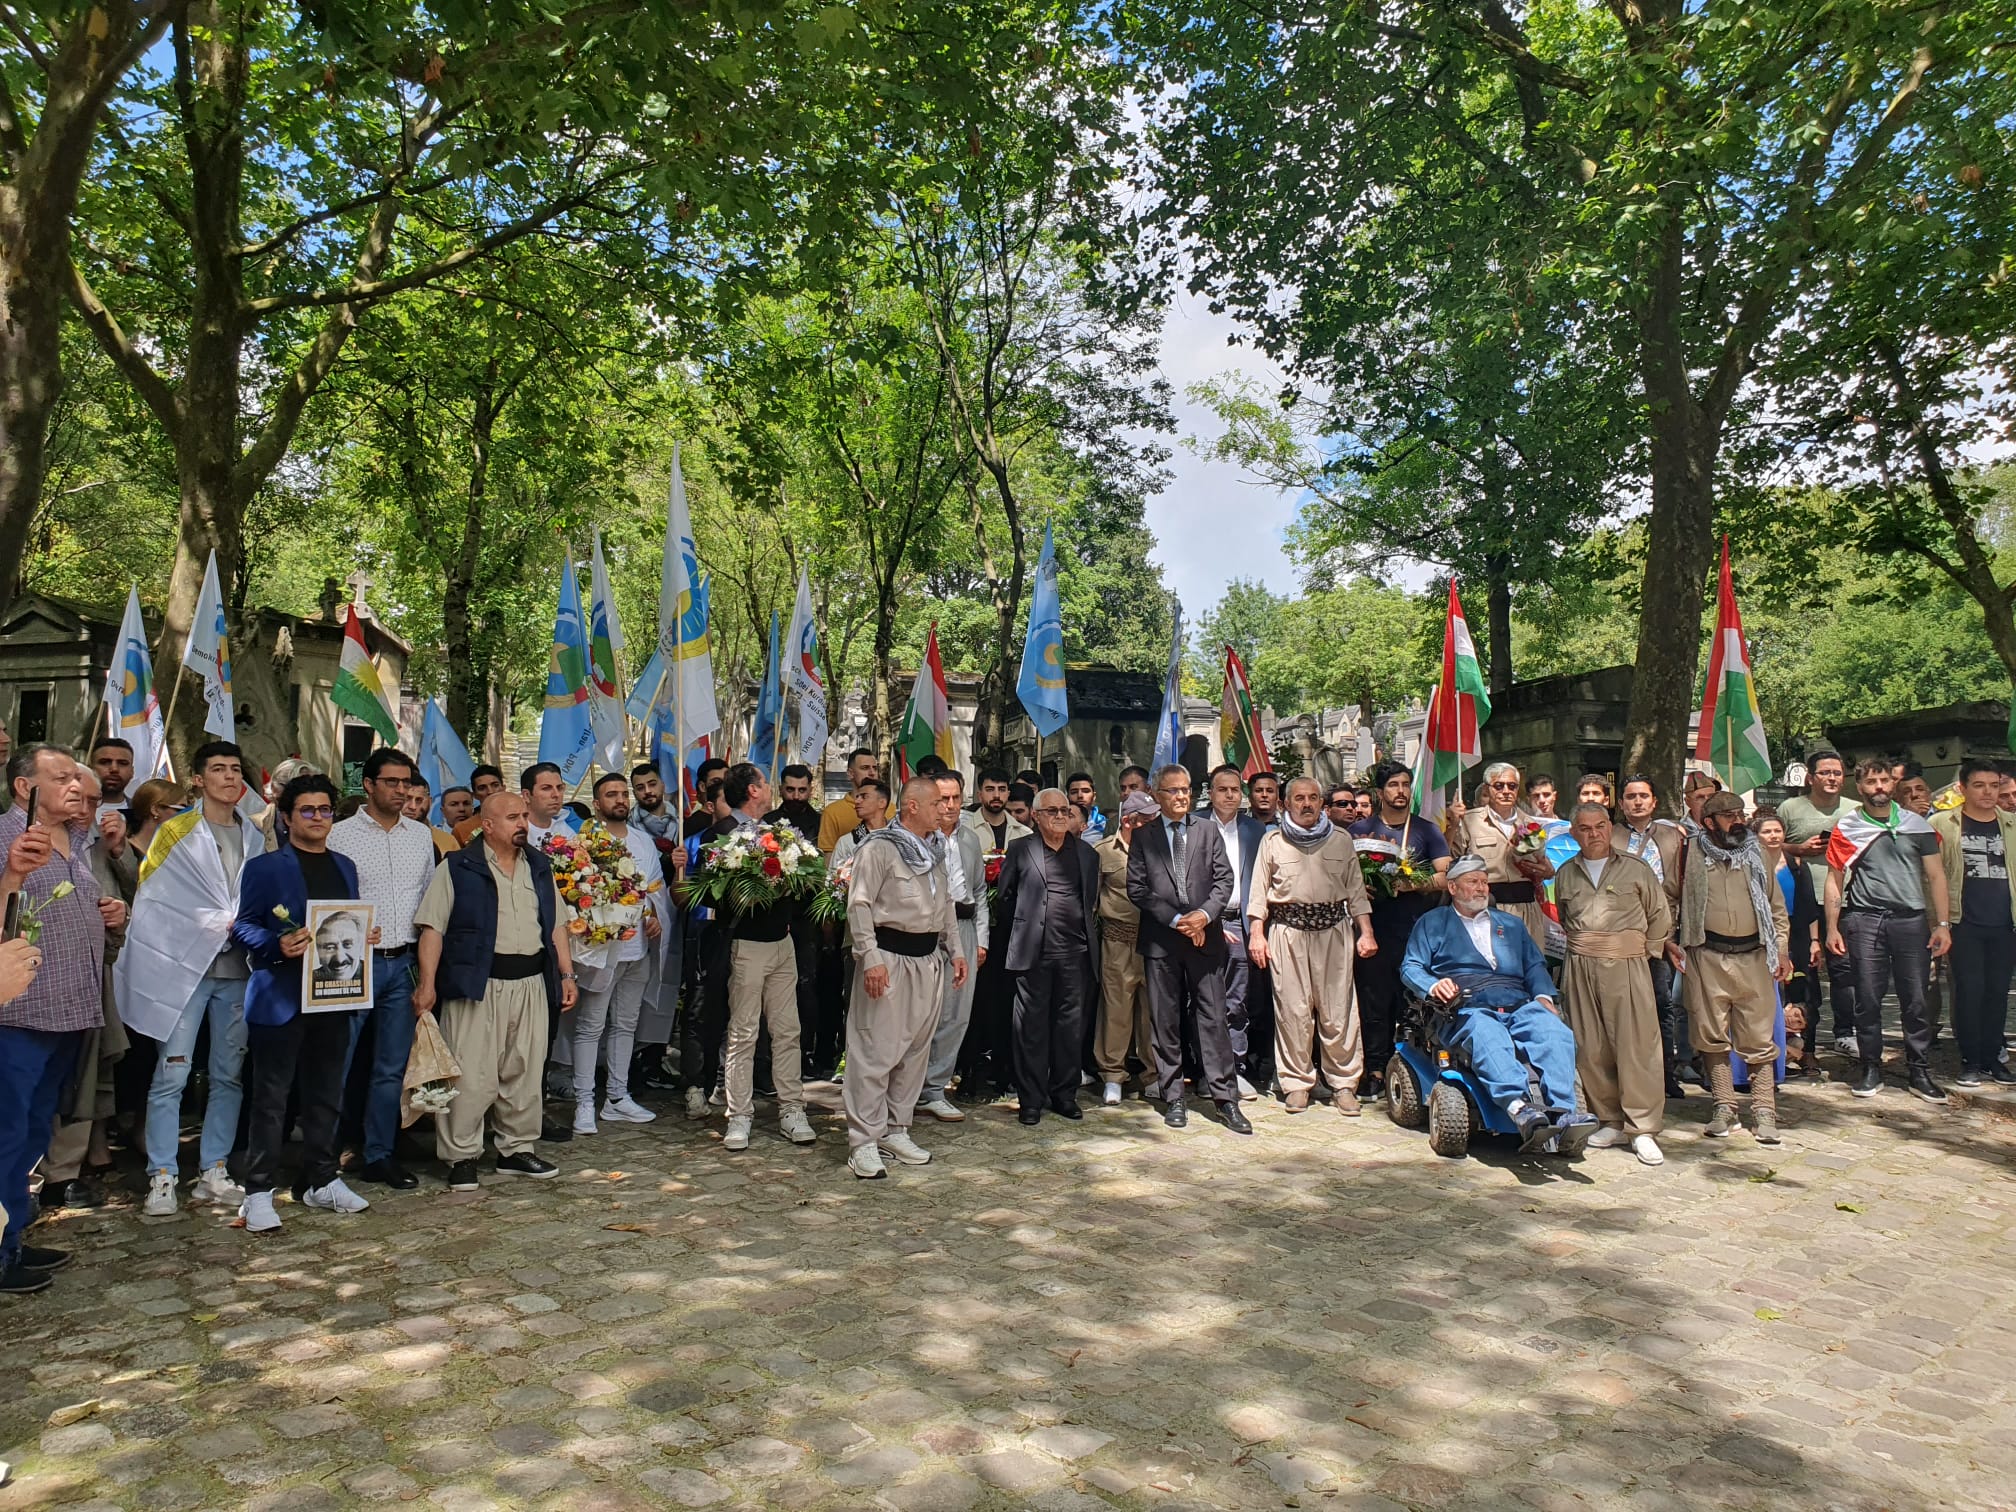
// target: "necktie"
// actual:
[[1181, 853]]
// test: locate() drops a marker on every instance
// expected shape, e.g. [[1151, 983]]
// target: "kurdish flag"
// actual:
[[359, 690], [927, 721], [1731, 737], [1238, 727], [1457, 709]]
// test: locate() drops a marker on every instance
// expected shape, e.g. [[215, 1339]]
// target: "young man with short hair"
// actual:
[[545, 790], [483, 781], [1079, 789], [1263, 798], [180, 968], [1809, 821], [1393, 832], [839, 817], [457, 803], [1977, 841], [112, 760], [614, 1001]]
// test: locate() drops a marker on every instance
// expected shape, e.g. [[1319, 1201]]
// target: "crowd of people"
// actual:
[[1015, 941]]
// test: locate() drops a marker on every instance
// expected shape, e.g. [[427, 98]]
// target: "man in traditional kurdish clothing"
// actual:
[[1490, 832], [1123, 987], [901, 923], [1735, 943], [1306, 885], [1661, 845], [1615, 915]]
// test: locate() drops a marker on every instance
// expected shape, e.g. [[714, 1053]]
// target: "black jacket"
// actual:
[[1151, 887], [1017, 926]]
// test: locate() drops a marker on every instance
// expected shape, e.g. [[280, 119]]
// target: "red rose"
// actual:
[[993, 870], [772, 867]]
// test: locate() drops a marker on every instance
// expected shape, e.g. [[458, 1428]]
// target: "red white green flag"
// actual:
[[1731, 734], [1238, 727], [1457, 710], [927, 720], [358, 689]]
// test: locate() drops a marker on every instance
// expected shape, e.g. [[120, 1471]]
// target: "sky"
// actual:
[[1212, 524]]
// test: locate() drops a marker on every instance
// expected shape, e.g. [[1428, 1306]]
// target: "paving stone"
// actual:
[[1014, 1470], [1067, 1441], [875, 1467], [947, 1491], [686, 1488], [756, 1456]]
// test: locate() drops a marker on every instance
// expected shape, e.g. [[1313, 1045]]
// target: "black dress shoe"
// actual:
[[1065, 1109], [657, 1079], [19, 1281], [2001, 1075], [76, 1193], [1673, 1087], [1923, 1086], [35, 1257], [1175, 1114], [1029, 1117], [525, 1163], [386, 1173], [1234, 1119], [1870, 1082], [555, 1133]]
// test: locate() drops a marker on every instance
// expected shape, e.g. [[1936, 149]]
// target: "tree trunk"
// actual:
[[1498, 630], [467, 684], [1680, 544], [881, 720], [38, 201]]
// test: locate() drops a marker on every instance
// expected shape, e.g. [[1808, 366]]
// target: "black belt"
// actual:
[[965, 910], [1723, 944], [904, 942], [392, 952], [516, 968], [1512, 892], [1310, 917]]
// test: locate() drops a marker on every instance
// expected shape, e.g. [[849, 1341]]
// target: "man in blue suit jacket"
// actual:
[[292, 1051], [1510, 1011]]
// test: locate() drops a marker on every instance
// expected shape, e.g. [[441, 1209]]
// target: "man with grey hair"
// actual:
[[1306, 884], [965, 870], [1049, 936], [1512, 845], [901, 922]]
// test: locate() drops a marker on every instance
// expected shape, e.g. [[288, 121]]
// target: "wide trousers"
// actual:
[[1501, 1043], [1187, 983], [763, 993], [1732, 1004], [1050, 1029], [1315, 1003], [889, 1045], [1613, 1009], [500, 1043], [303, 1059], [1123, 1007], [1887, 950], [1983, 960], [955, 1015]]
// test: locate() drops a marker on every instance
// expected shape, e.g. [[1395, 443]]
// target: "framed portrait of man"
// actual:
[[336, 970]]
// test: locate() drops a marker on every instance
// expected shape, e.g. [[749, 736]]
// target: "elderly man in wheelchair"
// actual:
[[1492, 1004]]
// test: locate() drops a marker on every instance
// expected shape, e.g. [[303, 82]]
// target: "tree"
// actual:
[[1668, 164], [56, 80], [1247, 617]]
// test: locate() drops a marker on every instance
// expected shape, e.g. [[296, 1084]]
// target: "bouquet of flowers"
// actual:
[[602, 887], [750, 869], [1387, 868], [1529, 837]]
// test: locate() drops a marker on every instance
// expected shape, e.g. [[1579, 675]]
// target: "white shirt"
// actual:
[[1229, 828], [1478, 927], [1509, 823], [564, 822], [1595, 868], [393, 869], [637, 841]]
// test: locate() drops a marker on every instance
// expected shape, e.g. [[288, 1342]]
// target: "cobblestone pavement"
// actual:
[[1098, 1314]]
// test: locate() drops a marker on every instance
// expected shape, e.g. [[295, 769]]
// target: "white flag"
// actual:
[[208, 654], [801, 676], [685, 708], [132, 712]]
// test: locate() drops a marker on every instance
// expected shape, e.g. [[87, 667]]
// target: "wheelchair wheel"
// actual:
[[1450, 1121], [1403, 1095]]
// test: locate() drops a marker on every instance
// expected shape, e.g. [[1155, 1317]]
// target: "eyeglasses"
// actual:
[[395, 782], [1504, 787], [1050, 812], [320, 811]]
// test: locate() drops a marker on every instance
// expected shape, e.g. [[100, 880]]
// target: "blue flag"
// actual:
[[769, 708], [443, 760], [1041, 684], [1169, 729], [566, 733]]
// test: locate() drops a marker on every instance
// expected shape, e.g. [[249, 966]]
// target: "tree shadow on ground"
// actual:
[[1101, 1313]]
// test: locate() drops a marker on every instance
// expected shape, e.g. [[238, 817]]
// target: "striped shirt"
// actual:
[[69, 991]]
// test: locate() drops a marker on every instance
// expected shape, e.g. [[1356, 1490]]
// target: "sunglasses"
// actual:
[[319, 811], [1051, 813]]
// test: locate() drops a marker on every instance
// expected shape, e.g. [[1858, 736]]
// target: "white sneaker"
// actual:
[[161, 1199], [942, 1110], [865, 1161], [333, 1198], [257, 1211], [737, 1137], [1844, 1044], [1605, 1138], [898, 1145], [795, 1126], [216, 1185], [696, 1103], [584, 1117], [1646, 1148], [626, 1109], [719, 1099], [1112, 1097]]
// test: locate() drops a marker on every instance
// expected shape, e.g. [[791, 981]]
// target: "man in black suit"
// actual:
[[1180, 878], [1049, 900]]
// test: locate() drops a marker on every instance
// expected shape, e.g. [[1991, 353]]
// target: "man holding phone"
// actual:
[[47, 873]]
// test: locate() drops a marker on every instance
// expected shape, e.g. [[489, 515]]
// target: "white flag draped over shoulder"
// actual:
[[801, 676], [208, 655]]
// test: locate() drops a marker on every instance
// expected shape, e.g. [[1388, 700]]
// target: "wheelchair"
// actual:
[[1430, 1086]]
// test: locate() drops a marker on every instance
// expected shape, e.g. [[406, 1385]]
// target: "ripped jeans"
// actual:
[[222, 999]]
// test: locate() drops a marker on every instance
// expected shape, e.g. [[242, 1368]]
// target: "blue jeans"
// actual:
[[222, 1000], [391, 1047], [1494, 1039], [34, 1066]]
